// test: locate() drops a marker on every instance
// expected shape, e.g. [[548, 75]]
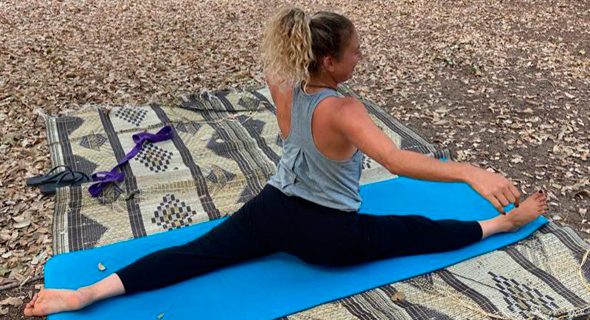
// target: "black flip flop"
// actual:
[[66, 175], [79, 178]]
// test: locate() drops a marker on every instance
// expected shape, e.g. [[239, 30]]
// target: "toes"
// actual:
[[543, 209], [539, 196], [32, 302]]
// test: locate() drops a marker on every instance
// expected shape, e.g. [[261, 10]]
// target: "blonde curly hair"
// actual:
[[294, 43]]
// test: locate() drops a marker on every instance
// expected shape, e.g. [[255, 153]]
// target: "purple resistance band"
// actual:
[[104, 177]]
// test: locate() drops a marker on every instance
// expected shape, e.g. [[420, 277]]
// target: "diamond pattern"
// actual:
[[154, 158], [173, 213], [132, 115], [523, 299]]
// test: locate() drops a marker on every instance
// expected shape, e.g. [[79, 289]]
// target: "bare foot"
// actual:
[[529, 210], [50, 301]]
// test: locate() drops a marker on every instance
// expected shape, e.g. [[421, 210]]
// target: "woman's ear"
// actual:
[[328, 63]]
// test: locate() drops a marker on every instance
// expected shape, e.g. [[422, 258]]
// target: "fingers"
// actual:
[[505, 196], [514, 191], [496, 204], [502, 199], [509, 195]]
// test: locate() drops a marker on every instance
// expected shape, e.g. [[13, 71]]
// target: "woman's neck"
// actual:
[[322, 80]]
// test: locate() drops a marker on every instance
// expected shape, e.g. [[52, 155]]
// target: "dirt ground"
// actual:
[[505, 84]]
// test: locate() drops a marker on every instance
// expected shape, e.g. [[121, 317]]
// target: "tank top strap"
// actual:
[[304, 104]]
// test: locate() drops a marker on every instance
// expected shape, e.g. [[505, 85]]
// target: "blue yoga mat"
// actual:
[[280, 284]]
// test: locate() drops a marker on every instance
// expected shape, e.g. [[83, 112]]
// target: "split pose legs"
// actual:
[[273, 222]]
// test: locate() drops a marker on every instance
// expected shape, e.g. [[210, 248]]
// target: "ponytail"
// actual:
[[286, 46]]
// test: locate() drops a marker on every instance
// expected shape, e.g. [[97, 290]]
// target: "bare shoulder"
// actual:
[[348, 109], [342, 115], [342, 104], [350, 104]]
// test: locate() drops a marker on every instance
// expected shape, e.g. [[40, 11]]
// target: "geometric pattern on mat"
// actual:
[[153, 157], [224, 148], [173, 213], [131, 115], [93, 141]]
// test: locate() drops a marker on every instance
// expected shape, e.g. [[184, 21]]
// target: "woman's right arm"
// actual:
[[354, 123]]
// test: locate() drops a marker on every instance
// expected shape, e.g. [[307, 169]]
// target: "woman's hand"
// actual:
[[494, 187]]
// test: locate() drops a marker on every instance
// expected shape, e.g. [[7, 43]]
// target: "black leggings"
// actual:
[[273, 222]]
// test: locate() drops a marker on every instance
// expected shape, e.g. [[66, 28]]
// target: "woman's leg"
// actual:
[[391, 236], [231, 242], [50, 301]]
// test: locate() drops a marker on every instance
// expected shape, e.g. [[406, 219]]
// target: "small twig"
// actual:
[[20, 284]]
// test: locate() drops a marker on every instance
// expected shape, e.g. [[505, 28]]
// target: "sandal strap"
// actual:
[[61, 177], [59, 166]]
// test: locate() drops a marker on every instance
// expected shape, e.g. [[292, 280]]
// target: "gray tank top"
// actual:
[[305, 172]]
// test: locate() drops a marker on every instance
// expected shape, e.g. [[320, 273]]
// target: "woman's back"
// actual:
[[304, 170]]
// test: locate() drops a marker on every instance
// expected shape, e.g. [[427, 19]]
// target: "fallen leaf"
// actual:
[[398, 296], [516, 159], [12, 301], [22, 224]]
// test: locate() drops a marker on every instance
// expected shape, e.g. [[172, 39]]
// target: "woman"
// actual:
[[315, 218]]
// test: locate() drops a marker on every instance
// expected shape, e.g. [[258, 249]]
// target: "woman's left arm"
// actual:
[[354, 123]]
